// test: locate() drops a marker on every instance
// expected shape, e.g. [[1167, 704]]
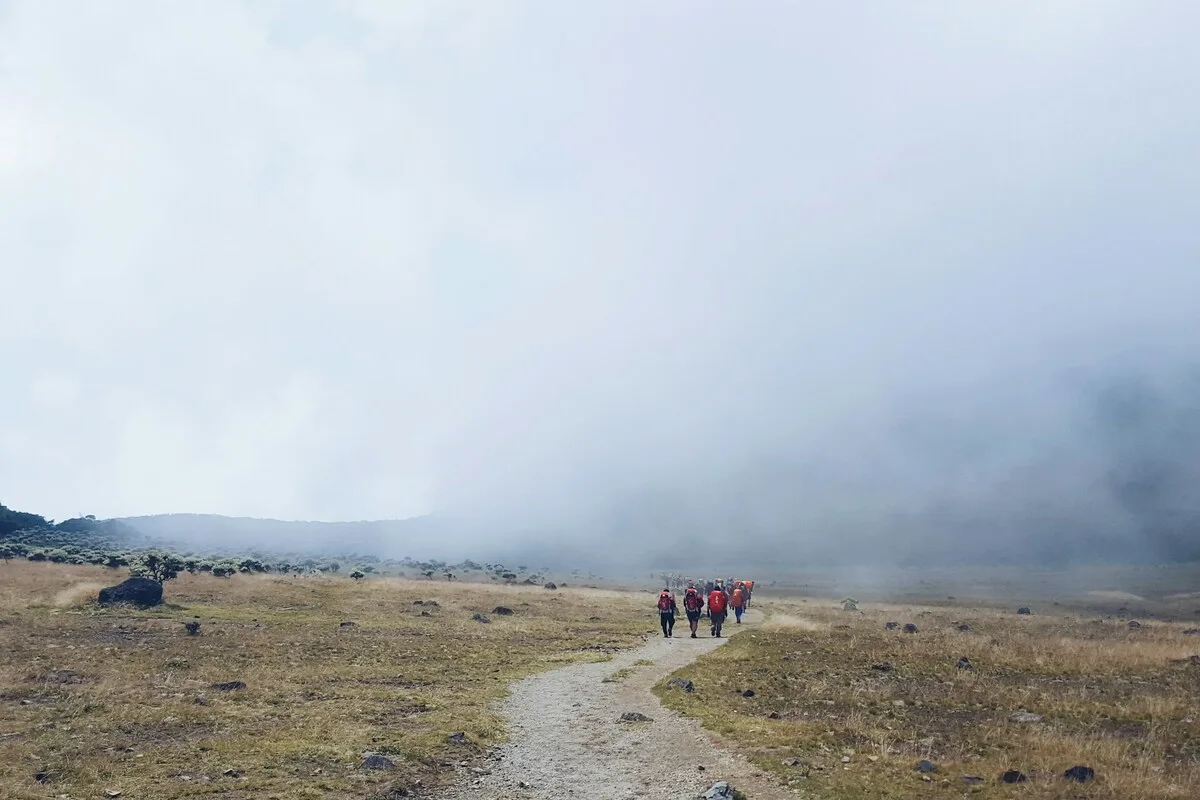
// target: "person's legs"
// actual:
[[663, 620], [694, 622], [737, 612]]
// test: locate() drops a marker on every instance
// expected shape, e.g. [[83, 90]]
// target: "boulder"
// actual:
[[719, 791], [1014, 776], [1133, 623], [748, 694], [963, 628], [965, 663], [882, 666], [925, 765], [891, 626], [634, 716], [481, 618], [910, 628], [1024, 611], [1080, 774], [502, 611], [140, 592], [551, 585], [457, 738], [231, 686], [376, 761], [682, 683]]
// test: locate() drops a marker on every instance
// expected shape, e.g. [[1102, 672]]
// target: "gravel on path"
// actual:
[[566, 740]]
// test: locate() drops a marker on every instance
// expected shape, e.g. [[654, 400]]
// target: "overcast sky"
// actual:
[[375, 259]]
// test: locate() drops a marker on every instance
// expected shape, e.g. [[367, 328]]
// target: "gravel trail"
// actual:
[[566, 741]]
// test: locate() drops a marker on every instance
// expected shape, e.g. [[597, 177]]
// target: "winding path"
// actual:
[[565, 741]]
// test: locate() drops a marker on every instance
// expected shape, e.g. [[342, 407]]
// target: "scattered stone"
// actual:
[[964, 663], [348, 625], [200, 700], [719, 791], [700, 767], [1014, 776], [963, 628], [634, 716], [891, 626], [457, 738], [898, 703], [1192, 632], [910, 628], [845, 759], [1024, 611], [882, 666], [45, 776], [376, 761], [1025, 716], [1080, 774], [748, 693], [1133, 623], [925, 765], [792, 762], [140, 592], [231, 773], [774, 715], [64, 677], [112, 793], [551, 585], [192, 628], [502, 611], [481, 618], [426, 614], [972, 779], [682, 683], [849, 605], [231, 686]]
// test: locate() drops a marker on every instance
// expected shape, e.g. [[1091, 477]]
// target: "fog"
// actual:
[[792, 284]]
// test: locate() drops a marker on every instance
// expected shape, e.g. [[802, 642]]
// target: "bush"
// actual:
[[157, 566]]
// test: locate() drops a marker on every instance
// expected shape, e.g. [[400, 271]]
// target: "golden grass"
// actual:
[[123, 700], [1123, 701]]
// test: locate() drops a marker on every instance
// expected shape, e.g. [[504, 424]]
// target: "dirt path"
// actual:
[[566, 741]]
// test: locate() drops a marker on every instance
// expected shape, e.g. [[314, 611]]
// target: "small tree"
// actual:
[[357, 576], [428, 574], [334, 566], [160, 567]]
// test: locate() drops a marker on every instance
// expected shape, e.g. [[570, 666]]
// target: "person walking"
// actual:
[[693, 606], [737, 601], [717, 603], [667, 609]]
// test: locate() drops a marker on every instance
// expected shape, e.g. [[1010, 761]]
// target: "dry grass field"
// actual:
[[843, 708], [96, 701]]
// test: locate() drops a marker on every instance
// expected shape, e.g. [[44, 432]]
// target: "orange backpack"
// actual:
[[738, 597]]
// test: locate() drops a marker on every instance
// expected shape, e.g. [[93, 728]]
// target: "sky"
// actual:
[[608, 266]]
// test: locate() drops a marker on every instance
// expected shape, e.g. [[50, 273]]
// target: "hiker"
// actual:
[[749, 591], [737, 601], [717, 602], [693, 606], [666, 612]]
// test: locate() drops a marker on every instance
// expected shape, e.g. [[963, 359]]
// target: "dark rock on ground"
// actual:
[[1014, 776], [457, 738], [965, 663], [502, 611], [1192, 632], [376, 761], [1080, 774], [891, 626], [64, 677], [634, 716], [1133, 623], [45, 776], [140, 592], [481, 618], [925, 765], [882, 666], [192, 628], [972, 779], [1024, 611], [719, 791], [910, 628], [748, 693], [551, 585], [682, 683], [430, 603], [774, 715], [231, 686], [964, 628], [348, 625], [426, 614]]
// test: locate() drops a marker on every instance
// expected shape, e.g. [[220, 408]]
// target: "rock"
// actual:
[[45, 776], [1080, 774], [898, 704], [925, 765], [550, 585], [963, 628], [231, 773], [891, 626], [231, 686], [502, 611], [972, 779], [845, 759], [882, 666], [481, 618], [1192, 632], [1024, 611], [682, 683], [719, 791], [1014, 776], [64, 677], [112, 793], [348, 625], [426, 614], [192, 628], [748, 693], [792, 762], [376, 761], [910, 628], [1025, 716], [140, 592], [964, 663], [774, 715], [634, 716], [457, 738], [1133, 623]]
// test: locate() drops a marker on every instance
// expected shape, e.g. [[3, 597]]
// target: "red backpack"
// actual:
[[692, 601], [716, 601], [664, 602]]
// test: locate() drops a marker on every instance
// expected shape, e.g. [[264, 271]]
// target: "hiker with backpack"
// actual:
[[737, 601], [667, 609], [717, 602], [693, 606]]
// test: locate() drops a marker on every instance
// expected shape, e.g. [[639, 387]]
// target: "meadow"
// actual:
[[98, 702]]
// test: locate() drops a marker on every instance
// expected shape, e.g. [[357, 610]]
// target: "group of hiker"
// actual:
[[718, 598]]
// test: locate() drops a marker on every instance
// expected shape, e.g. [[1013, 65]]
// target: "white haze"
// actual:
[[787, 274]]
